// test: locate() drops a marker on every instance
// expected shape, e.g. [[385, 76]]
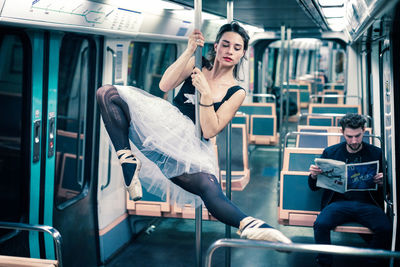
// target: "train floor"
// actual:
[[171, 242]]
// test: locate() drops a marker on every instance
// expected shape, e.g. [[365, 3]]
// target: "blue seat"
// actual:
[[296, 159], [239, 157], [304, 97], [312, 141], [257, 108], [295, 185], [238, 119], [338, 87], [242, 119], [262, 122], [330, 100], [333, 109], [319, 121], [237, 162], [337, 109], [263, 126]]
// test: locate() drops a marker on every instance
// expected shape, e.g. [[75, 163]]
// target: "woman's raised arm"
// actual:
[[213, 122], [183, 66]]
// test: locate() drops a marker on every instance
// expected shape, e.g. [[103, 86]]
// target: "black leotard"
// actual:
[[184, 100]]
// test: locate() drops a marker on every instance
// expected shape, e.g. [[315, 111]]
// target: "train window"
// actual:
[[147, 63], [73, 87], [311, 60], [14, 180]]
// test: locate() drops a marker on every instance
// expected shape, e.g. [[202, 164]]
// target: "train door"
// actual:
[[27, 139], [75, 213], [37, 94]]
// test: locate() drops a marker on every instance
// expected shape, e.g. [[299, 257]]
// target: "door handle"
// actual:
[[36, 140], [50, 150]]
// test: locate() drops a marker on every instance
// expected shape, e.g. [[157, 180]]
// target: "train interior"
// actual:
[[309, 62]]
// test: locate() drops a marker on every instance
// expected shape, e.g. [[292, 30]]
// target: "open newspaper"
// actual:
[[341, 177]]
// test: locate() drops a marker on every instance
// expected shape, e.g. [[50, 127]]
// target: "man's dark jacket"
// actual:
[[338, 152]]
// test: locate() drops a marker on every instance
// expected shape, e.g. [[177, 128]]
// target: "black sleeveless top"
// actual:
[[184, 100]]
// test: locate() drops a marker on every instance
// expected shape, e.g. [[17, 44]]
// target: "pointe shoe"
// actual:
[[249, 229], [135, 187]]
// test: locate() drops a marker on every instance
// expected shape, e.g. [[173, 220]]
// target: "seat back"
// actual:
[[239, 154], [312, 141], [262, 122], [320, 120], [316, 108], [240, 172], [300, 159]]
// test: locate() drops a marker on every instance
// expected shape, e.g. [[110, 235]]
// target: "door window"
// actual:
[[72, 109], [14, 110]]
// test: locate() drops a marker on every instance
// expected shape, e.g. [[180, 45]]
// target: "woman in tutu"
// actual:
[[164, 154]]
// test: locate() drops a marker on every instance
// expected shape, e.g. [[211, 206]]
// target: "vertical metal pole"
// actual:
[[282, 57], [199, 207], [228, 176], [288, 38], [229, 11], [228, 185]]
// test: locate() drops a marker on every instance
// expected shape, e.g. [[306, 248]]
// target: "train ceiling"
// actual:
[[300, 15]]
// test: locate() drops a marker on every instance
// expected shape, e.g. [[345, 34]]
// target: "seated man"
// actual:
[[364, 207]]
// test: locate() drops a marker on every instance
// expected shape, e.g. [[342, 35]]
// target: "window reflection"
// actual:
[[13, 187], [146, 64], [71, 117], [317, 63]]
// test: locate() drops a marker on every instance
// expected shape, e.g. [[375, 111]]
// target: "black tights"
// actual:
[[115, 113], [207, 187]]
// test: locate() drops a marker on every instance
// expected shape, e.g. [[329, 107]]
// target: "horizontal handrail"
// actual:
[[324, 134], [264, 95], [310, 133], [322, 114], [40, 228], [298, 247], [334, 96], [329, 115]]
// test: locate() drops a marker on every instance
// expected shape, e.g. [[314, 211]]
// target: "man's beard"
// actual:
[[354, 149]]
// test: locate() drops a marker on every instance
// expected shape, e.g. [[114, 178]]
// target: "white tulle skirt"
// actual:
[[164, 140]]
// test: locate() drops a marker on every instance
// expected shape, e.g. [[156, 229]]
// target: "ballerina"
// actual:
[[165, 155]]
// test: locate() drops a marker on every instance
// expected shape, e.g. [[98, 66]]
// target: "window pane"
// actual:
[[147, 63], [71, 117], [13, 178]]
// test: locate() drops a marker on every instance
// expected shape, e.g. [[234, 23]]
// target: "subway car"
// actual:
[[309, 62]]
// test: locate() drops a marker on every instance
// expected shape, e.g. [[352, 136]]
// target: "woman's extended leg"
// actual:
[[115, 113], [207, 187]]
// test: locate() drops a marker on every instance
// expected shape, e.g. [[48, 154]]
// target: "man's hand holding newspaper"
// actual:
[[341, 177]]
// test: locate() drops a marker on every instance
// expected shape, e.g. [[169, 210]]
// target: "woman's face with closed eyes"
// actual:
[[229, 49]]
